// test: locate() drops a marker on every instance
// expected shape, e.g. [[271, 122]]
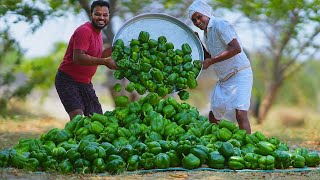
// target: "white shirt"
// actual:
[[219, 34]]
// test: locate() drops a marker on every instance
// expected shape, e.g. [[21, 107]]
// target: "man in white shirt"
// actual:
[[230, 99]]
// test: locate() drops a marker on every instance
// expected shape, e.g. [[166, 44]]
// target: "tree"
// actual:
[[291, 31]]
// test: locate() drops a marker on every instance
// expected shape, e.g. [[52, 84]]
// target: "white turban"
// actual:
[[201, 7]]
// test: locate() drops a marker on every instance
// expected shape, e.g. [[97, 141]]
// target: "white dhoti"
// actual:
[[235, 93]]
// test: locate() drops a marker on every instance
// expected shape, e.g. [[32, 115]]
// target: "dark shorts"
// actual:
[[75, 95]]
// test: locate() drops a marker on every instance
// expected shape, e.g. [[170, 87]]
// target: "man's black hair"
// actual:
[[99, 3]]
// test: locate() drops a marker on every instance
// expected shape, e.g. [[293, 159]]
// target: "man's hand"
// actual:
[[110, 63], [107, 52], [207, 62]]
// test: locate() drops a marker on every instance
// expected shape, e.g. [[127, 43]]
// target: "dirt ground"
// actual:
[[183, 175]]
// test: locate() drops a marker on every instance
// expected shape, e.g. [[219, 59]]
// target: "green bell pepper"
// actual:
[[99, 166], [144, 36], [50, 136], [130, 87], [121, 101], [31, 164], [134, 107], [122, 113], [191, 161], [63, 135], [134, 42], [123, 132], [201, 152], [96, 128], [118, 74], [126, 151], [119, 42], [145, 67], [117, 87], [183, 148], [227, 124], [82, 166], [169, 45], [298, 161], [140, 89], [116, 55], [162, 161], [168, 111], [174, 159], [135, 129], [251, 160], [109, 133], [65, 167], [216, 160], [73, 155], [140, 148], [282, 159], [251, 139], [301, 151], [59, 153], [173, 78], [162, 91], [266, 162], [273, 140], [119, 142], [157, 122], [146, 108], [39, 154], [91, 152], [224, 134], [154, 147], [260, 136], [161, 47], [312, 159], [153, 43], [4, 158], [186, 49], [115, 164], [147, 160], [133, 163], [182, 118], [236, 163], [264, 148], [50, 164], [183, 95], [109, 148], [156, 75], [248, 148], [100, 117], [71, 125], [162, 39], [192, 82], [226, 149]]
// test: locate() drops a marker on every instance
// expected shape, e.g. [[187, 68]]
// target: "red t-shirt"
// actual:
[[88, 40]]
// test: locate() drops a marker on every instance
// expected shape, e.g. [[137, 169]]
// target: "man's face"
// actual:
[[100, 17], [200, 20]]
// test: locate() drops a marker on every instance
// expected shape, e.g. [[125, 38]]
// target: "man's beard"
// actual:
[[97, 26]]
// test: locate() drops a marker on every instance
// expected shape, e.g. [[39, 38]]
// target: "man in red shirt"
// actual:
[[82, 57]]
